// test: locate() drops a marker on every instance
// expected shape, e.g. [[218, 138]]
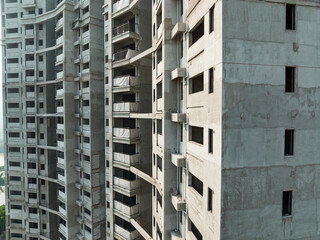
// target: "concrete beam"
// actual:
[[143, 233]]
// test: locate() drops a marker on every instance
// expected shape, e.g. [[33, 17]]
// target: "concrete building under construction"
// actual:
[[161, 119]]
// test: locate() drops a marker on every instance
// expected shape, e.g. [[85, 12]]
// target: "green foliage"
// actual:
[[2, 218], [2, 180]]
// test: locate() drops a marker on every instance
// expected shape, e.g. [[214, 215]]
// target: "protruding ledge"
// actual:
[[178, 117], [178, 73], [180, 27], [178, 160]]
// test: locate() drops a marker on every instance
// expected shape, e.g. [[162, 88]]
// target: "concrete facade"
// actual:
[[161, 119]]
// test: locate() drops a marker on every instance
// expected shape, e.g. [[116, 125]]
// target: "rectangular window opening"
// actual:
[[287, 203]]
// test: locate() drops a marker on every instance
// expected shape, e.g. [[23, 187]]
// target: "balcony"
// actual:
[[60, 92], [123, 28], [61, 195], [59, 23], [28, 3], [31, 156], [126, 185], [126, 159], [159, 140], [30, 78], [59, 75], [30, 64], [59, 40], [30, 94], [32, 171], [60, 109], [62, 211], [120, 5], [159, 31], [61, 161], [59, 58], [124, 82], [31, 125], [129, 211], [61, 178], [14, 140], [159, 104], [60, 144], [31, 110], [85, 56], [29, 32], [13, 125], [126, 133], [62, 229], [129, 233], [30, 48], [33, 216], [126, 107], [34, 230], [32, 186], [125, 54]]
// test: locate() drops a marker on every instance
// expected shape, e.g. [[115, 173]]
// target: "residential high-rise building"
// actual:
[[161, 119], [53, 96]]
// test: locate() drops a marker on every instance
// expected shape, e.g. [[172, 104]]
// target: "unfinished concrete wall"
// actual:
[[257, 110]]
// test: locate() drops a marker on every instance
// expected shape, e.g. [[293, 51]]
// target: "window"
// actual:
[[40, 11], [40, 27], [196, 134], [290, 79], [40, 73], [210, 141], [196, 84], [290, 17], [192, 228], [40, 58], [195, 183], [196, 33], [211, 23], [210, 200], [44, 226], [211, 80], [287, 203], [289, 142], [40, 42]]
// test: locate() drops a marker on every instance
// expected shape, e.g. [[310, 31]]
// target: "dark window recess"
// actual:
[[210, 199], [196, 184], [289, 142], [194, 230], [196, 134], [290, 17], [211, 20], [196, 33], [287, 203], [211, 80], [196, 84], [290, 79], [210, 141]]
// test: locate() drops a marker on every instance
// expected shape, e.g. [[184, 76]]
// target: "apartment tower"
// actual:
[[161, 119], [53, 96]]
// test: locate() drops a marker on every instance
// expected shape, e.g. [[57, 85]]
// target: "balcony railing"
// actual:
[[126, 107], [125, 27], [126, 184], [126, 234], [120, 5], [126, 158], [126, 132], [125, 54], [128, 210], [125, 81]]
